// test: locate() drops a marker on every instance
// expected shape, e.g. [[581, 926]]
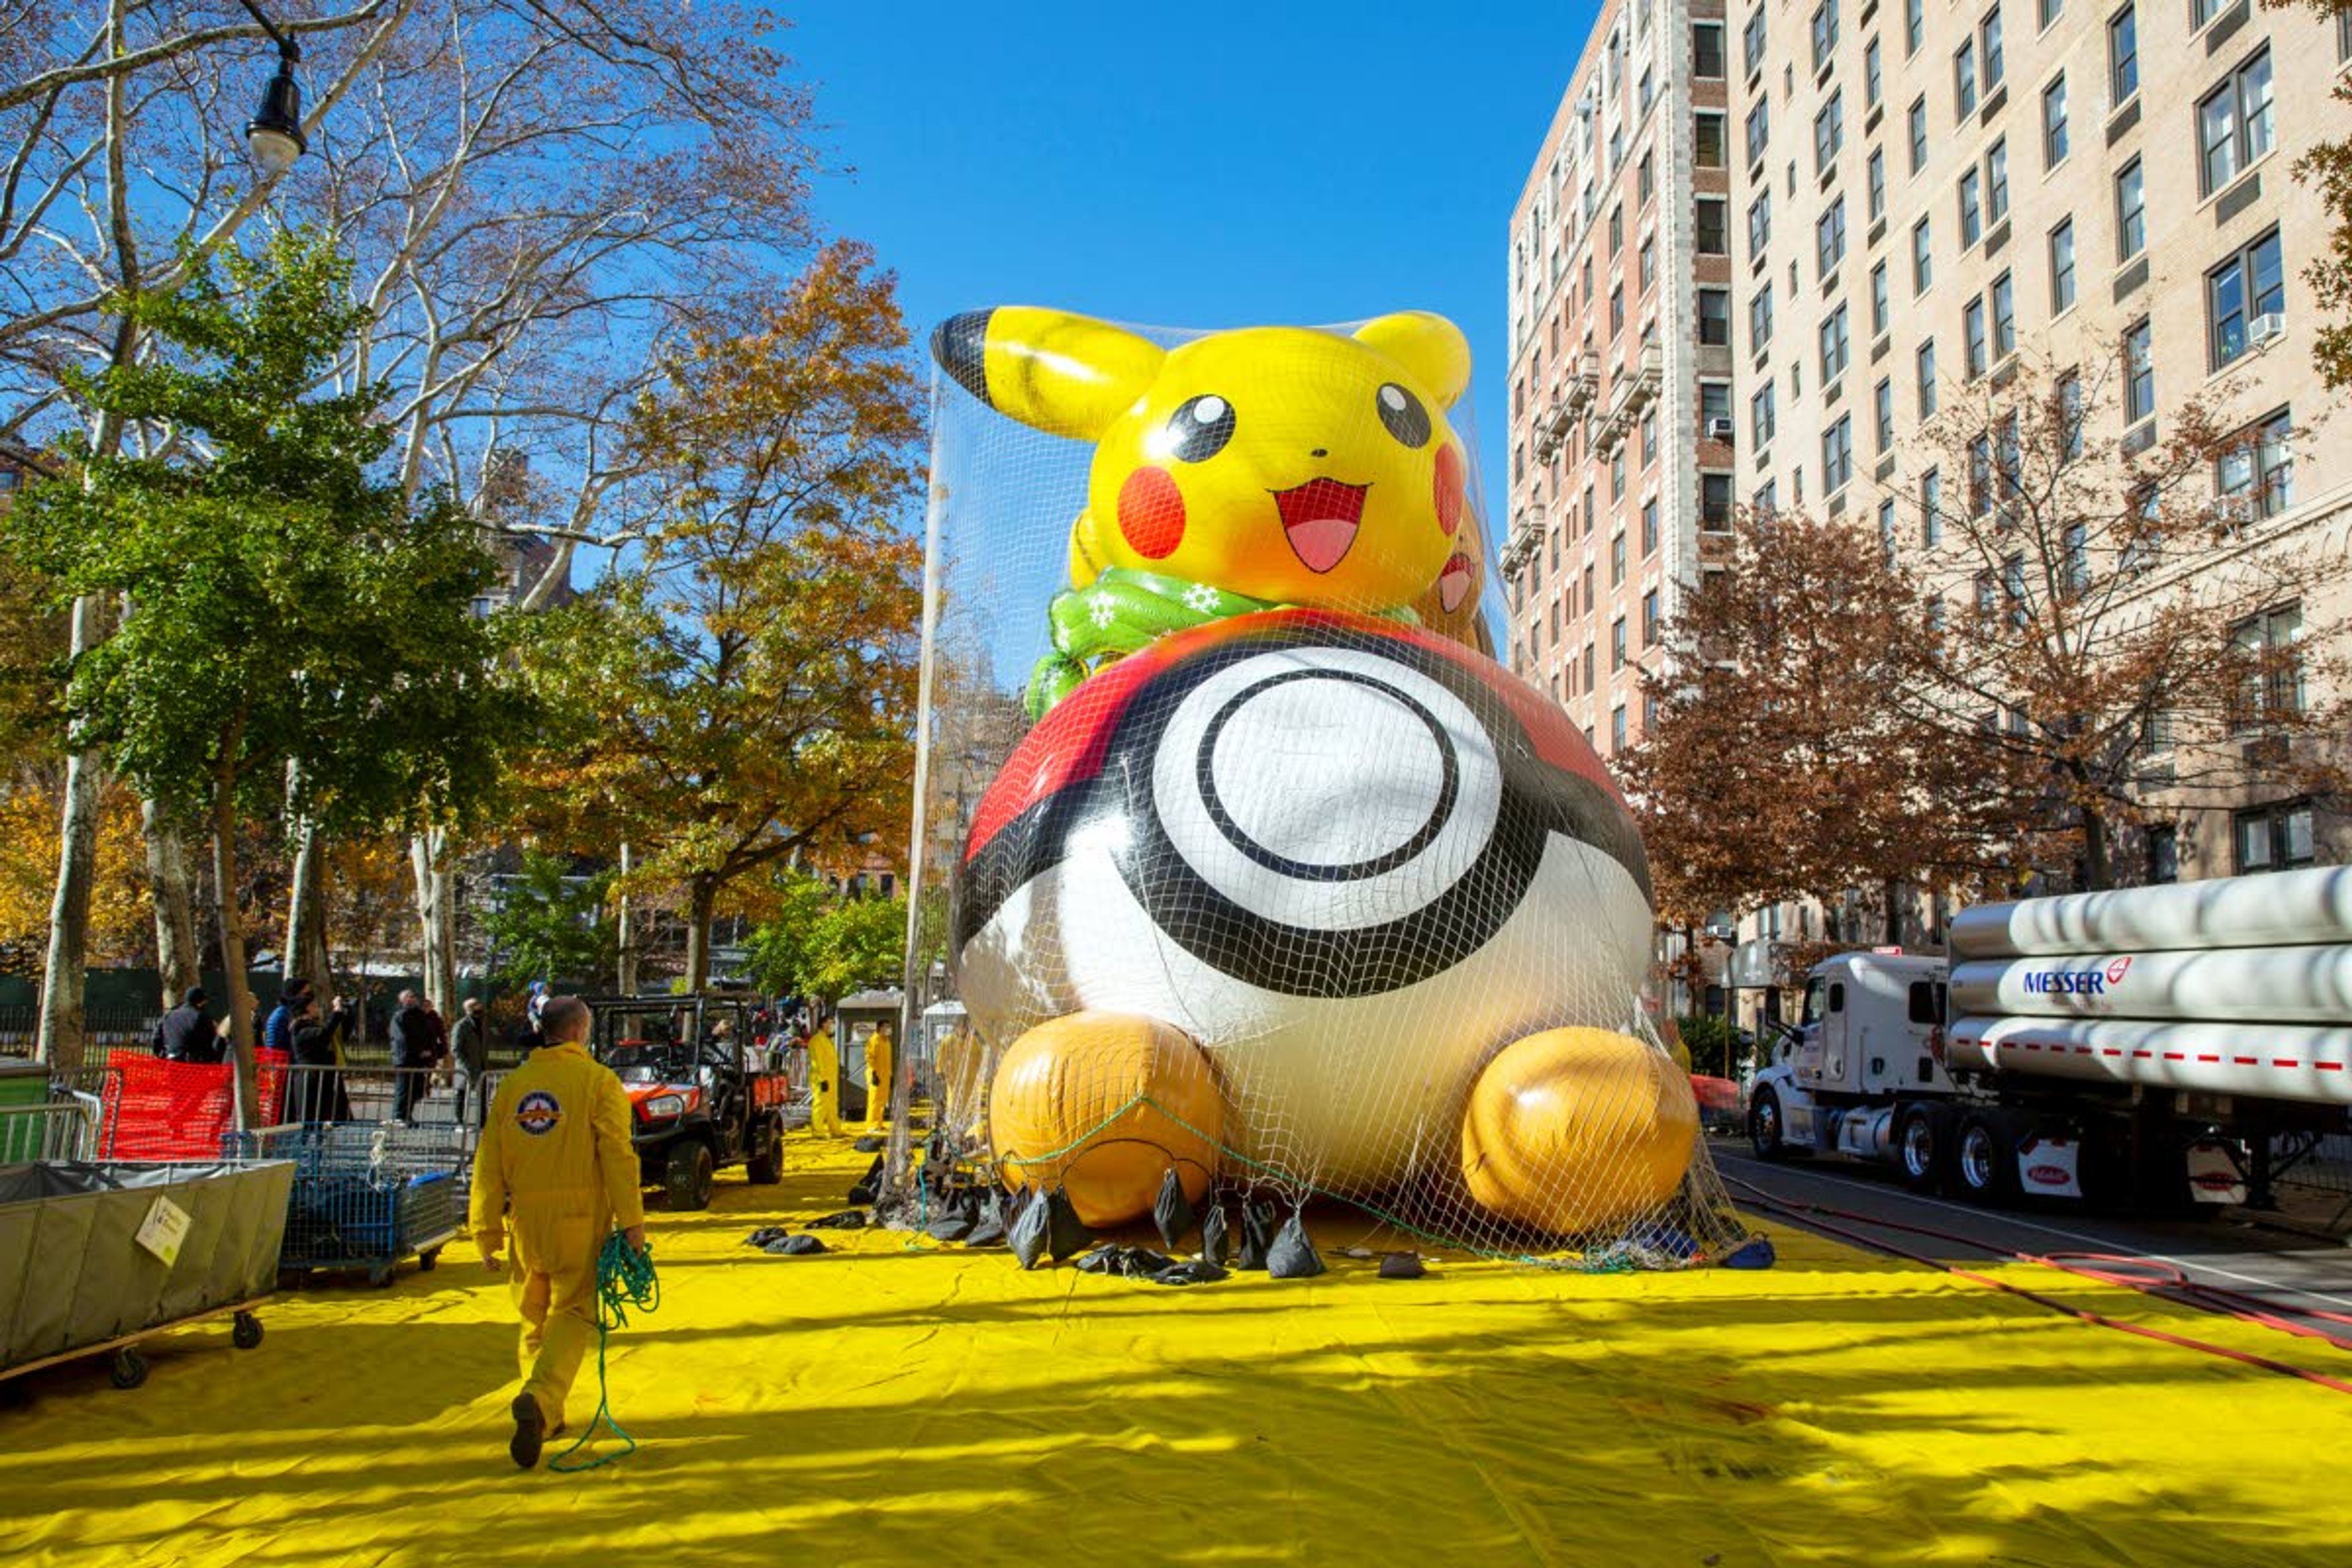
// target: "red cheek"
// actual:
[[1449, 489], [1151, 513]]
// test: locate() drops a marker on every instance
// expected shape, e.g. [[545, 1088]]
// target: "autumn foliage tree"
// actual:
[[746, 697]]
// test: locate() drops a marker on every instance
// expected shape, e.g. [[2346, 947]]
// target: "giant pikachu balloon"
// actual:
[[1260, 466]]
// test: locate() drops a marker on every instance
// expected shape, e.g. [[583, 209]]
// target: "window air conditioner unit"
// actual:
[[2265, 328], [1718, 429], [2233, 511]]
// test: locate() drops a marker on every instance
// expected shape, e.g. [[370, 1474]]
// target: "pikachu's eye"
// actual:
[[1402, 412], [1199, 429]]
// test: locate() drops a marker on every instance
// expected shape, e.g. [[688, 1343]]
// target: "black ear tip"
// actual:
[[959, 345]]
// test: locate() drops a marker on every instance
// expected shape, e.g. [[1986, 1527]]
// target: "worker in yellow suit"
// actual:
[[553, 1174], [824, 1083], [879, 1063]]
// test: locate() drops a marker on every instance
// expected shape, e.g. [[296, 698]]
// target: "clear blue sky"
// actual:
[[1192, 166]]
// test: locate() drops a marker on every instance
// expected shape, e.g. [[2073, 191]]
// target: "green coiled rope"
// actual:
[[624, 1279]]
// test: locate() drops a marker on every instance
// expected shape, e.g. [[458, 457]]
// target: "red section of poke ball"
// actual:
[[1152, 512], [1449, 489]]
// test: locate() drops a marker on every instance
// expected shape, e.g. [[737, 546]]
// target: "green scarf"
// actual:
[[1122, 611]]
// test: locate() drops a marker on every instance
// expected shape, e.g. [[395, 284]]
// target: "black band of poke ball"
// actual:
[[1538, 800], [1306, 870]]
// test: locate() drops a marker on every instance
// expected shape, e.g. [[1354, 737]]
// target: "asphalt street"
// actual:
[[2291, 1274]]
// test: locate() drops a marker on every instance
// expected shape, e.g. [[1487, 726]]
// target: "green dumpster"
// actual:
[[21, 1126]]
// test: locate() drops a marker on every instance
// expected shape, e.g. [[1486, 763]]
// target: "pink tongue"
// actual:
[[1320, 542], [1451, 586]]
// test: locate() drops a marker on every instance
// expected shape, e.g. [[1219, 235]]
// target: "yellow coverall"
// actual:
[[555, 1175], [824, 1085], [878, 1077]]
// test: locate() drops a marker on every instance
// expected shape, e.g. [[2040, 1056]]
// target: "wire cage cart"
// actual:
[[366, 1196]]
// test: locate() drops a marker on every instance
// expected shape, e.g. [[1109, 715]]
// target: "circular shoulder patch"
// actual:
[[538, 1113]]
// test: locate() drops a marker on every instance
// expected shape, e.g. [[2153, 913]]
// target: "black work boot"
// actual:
[[530, 1433]]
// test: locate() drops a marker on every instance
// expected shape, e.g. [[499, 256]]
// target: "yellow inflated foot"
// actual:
[[1574, 1129], [1103, 1105]]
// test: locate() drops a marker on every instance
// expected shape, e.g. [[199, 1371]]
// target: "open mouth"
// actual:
[[1320, 518], [1454, 581]]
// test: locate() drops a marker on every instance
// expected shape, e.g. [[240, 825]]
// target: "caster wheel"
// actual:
[[130, 1368], [379, 1275], [246, 1333], [428, 1260]]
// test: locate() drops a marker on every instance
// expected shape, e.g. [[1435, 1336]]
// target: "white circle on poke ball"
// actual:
[[1312, 787]]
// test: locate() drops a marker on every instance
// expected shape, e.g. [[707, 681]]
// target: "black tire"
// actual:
[[765, 1168], [130, 1368], [1922, 1147], [1984, 1161], [246, 1333], [1764, 1126], [687, 1176], [428, 1260]]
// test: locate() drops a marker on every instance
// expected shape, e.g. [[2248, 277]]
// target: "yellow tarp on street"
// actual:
[[897, 1404]]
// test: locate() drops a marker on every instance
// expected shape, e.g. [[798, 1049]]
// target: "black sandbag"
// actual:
[[1065, 1233], [1125, 1262], [1193, 1271], [988, 1227], [1029, 1233], [1257, 1235], [793, 1245], [870, 1144], [847, 1219], [765, 1235], [949, 1227], [1401, 1266], [1292, 1255], [1217, 1242], [867, 1184], [1172, 1211]]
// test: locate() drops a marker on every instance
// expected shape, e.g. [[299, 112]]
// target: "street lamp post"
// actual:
[[275, 134]]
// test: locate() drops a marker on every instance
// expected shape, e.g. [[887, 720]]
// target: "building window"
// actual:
[[1650, 618], [2273, 837], [1616, 309], [1649, 528], [1714, 227], [1879, 307], [1646, 174], [1648, 264], [1617, 559], [1829, 237], [1829, 132], [1715, 317], [1833, 345], [1882, 402], [1759, 128], [2201, 12], [1762, 418], [1707, 151], [1989, 35], [2235, 123], [1760, 318], [1766, 499], [1752, 41], [1919, 129], [1707, 50], [1650, 436], [2123, 54], [1886, 532], [2049, 11], [1837, 455], [2004, 318], [1927, 379], [1826, 32], [2078, 558], [1876, 178], [1760, 223], [2054, 123], [1931, 508], [2061, 268], [1997, 181], [1617, 725], [1874, 83], [2164, 854], [2259, 472], [1964, 79], [1714, 500], [2245, 298], [1715, 409], [2013, 589], [1973, 339], [1923, 258], [2131, 213], [1617, 476], [1979, 475], [1971, 208], [1617, 643], [2139, 374]]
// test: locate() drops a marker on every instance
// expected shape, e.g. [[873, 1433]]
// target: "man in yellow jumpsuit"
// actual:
[[553, 1174], [879, 1063], [824, 1083]]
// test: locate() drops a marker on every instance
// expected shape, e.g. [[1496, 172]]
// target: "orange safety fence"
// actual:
[[156, 1109]]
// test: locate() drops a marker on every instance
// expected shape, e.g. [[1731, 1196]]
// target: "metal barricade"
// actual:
[[367, 1195], [65, 1127]]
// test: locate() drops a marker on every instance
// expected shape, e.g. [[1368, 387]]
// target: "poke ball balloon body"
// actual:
[[1352, 859]]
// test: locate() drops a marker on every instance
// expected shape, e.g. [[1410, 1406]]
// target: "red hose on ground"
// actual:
[[1818, 1216]]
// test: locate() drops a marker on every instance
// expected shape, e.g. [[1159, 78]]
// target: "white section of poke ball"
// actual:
[[1289, 750], [1355, 769], [1347, 1089]]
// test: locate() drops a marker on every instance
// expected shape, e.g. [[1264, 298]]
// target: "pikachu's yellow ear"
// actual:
[[1429, 345], [1053, 369]]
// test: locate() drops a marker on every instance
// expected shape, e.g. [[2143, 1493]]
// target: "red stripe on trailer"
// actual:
[[2081, 1051], [2208, 1059], [2246, 1061], [2112, 1051], [2330, 1067], [2284, 1062], [2175, 1055], [2142, 1056]]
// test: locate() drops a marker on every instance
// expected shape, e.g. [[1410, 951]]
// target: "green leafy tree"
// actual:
[[289, 614], [550, 924], [820, 945]]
